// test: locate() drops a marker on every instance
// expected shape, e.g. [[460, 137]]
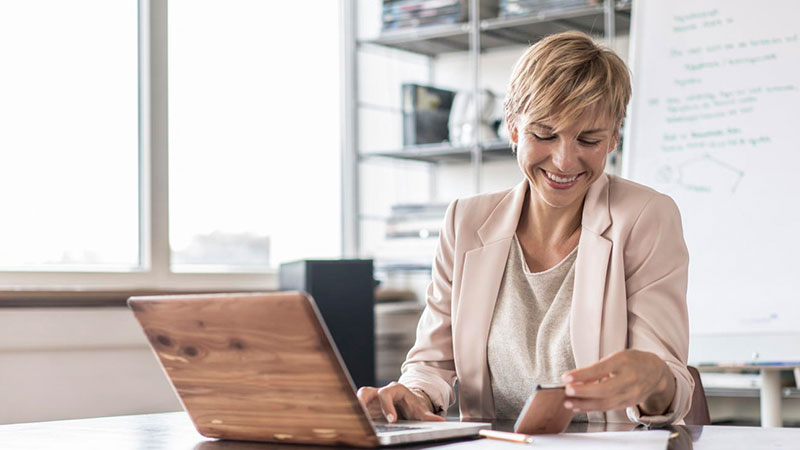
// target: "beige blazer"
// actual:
[[630, 292]]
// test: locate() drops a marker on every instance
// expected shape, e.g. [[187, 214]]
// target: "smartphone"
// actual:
[[544, 412]]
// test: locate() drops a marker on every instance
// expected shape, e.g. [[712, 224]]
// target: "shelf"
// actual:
[[499, 32], [431, 40], [444, 153], [528, 29]]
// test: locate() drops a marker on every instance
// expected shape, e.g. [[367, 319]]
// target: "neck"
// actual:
[[549, 226]]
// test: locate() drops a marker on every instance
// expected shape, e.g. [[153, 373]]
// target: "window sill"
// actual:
[[86, 298]]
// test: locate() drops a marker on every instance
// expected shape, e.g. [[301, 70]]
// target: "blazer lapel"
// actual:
[[591, 268], [482, 274]]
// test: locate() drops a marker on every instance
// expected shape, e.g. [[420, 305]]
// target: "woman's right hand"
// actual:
[[395, 401]]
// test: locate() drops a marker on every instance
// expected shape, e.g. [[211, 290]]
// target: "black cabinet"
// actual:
[[344, 291]]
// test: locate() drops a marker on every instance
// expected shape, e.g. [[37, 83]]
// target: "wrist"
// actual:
[[425, 398], [659, 400]]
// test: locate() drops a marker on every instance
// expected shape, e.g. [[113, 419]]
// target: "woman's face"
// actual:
[[561, 165]]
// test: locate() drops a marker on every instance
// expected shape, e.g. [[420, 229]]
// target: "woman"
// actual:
[[573, 276]]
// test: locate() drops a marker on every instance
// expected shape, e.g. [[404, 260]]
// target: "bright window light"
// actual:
[[69, 162], [253, 133]]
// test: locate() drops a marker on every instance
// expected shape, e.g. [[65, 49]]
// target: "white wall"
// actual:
[[61, 363]]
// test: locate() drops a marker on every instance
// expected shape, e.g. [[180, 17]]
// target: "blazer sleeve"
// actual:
[[429, 365], [656, 271]]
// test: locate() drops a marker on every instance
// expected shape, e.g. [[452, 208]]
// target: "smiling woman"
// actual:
[[573, 276]]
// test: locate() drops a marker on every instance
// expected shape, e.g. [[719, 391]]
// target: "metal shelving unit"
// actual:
[[472, 38], [503, 31], [444, 153]]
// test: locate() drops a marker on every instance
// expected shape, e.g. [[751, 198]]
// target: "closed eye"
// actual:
[[544, 138], [588, 143]]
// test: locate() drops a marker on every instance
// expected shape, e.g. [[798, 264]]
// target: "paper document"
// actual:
[[640, 440]]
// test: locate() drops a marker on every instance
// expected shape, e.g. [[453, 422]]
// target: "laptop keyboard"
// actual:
[[391, 428]]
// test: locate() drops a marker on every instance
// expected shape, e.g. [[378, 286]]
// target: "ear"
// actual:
[[511, 124], [614, 141]]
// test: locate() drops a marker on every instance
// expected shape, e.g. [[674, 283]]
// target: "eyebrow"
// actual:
[[549, 128]]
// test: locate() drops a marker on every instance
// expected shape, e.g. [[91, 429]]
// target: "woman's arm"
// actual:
[[649, 377], [656, 265], [429, 365], [426, 385]]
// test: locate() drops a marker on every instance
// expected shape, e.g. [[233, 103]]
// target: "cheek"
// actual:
[[596, 160], [531, 152]]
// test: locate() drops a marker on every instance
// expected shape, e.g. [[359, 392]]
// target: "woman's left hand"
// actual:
[[626, 378]]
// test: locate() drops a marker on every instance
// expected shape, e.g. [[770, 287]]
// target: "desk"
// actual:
[[174, 431]]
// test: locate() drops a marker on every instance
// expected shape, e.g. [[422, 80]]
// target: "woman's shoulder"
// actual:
[[471, 212], [481, 204], [485, 201], [628, 200]]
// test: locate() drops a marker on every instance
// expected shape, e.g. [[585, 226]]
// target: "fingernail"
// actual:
[[390, 418], [567, 378], [568, 405], [570, 390]]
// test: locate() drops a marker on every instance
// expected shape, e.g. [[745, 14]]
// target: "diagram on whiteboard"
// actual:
[[703, 174]]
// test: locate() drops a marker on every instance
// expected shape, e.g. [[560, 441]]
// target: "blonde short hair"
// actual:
[[562, 76]]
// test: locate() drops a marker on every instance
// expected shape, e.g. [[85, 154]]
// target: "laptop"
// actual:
[[263, 367]]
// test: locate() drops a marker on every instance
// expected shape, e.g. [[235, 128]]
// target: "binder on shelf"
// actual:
[[426, 112], [514, 8], [405, 14]]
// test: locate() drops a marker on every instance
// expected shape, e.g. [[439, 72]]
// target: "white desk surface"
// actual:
[[175, 431]]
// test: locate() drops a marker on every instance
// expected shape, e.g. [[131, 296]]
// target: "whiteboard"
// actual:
[[714, 122]]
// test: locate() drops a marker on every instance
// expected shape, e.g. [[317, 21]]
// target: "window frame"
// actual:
[[155, 272]]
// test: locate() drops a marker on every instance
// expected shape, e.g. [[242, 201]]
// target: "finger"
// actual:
[[368, 396], [601, 369], [417, 408], [606, 404], [607, 387], [365, 394], [387, 395]]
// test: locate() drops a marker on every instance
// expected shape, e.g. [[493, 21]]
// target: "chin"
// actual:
[[555, 199], [559, 198]]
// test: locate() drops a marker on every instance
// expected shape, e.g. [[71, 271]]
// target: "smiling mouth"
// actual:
[[561, 179]]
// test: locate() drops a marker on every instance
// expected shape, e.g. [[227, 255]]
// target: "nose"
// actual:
[[565, 156]]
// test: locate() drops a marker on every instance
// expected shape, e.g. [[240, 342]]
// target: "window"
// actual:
[[252, 129], [69, 135], [253, 132]]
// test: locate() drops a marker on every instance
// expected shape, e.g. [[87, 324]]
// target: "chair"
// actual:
[[698, 411]]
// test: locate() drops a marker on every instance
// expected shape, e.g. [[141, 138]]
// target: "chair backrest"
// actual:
[[698, 412]]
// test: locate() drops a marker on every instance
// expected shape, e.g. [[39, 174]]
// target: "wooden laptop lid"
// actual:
[[258, 367]]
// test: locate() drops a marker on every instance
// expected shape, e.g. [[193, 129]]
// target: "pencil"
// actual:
[[506, 436]]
